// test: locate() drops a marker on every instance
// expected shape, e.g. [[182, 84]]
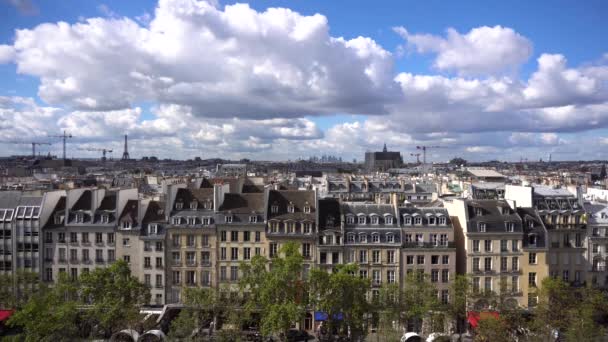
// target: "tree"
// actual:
[[275, 291], [491, 329], [342, 294], [114, 296], [51, 314], [591, 307], [459, 294], [458, 161], [419, 300], [389, 308], [16, 290], [555, 301]]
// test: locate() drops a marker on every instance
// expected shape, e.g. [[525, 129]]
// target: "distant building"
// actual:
[[382, 161]]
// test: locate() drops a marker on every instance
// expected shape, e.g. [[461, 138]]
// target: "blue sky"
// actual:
[[423, 88]]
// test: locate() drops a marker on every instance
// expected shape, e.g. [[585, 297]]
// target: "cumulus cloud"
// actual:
[[483, 50], [7, 53], [230, 62]]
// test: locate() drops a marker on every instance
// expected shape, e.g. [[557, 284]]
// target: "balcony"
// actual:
[[480, 271], [428, 245]]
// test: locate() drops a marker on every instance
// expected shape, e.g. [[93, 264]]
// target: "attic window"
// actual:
[[432, 220], [482, 227], [58, 219], [375, 219], [442, 221], [478, 212], [179, 205], [510, 227], [126, 225], [253, 219], [418, 220], [153, 229], [191, 221], [390, 238], [193, 205], [228, 219], [274, 209], [79, 218], [206, 221], [208, 205], [362, 219], [350, 220], [176, 220], [407, 220], [530, 224], [389, 220], [290, 208], [105, 218], [307, 209]]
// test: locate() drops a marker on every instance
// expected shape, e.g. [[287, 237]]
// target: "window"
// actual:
[[390, 238], [419, 239], [274, 209], [376, 277], [503, 264], [434, 259], [376, 257], [111, 255], [389, 220], [159, 280], [532, 259], [191, 241], [487, 245], [307, 209], [126, 225], [234, 236], [147, 262], [127, 258], [306, 250], [475, 264], [443, 240], [375, 238], [408, 238], [126, 242], [274, 226], [488, 283], [85, 237], [445, 276], [99, 255], [191, 258], [49, 274], [445, 296], [515, 263], [223, 236], [159, 262], [418, 220], [361, 219], [175, 240], [409, 259], [532, 279], [482, 227], [234, 273], [48, 237], [176, 277], [515, 246], [504, 245], [258, 236], [362, 256], [223, 274], [363, 238], [111, 238], [253, 219], [566, 275], [514, 284], [432, 220], [73, 237], [222, 253], [390, 276], [390, 257], [442, 221], [179, 205], [193, 205], [291, 208], [487, 264], [176, 220], [105, 218], [420, 259], [407, 220], [475, 245], [363, 273], [79, 218], [191, 221], [234, 253], [274, 250], [374, 219], [228, 218], [510, 227], [476, 281], [98, 238], [434, 276], [206, 221], [205, 258]]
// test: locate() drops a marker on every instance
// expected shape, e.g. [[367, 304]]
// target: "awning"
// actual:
[[6, 314], [474, 317]]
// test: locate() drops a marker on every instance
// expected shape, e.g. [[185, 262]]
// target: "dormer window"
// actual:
[[361, 219], [363, 238], [390, 238], [418, 220], [126, 225], [179, 205], [228, 218], [253, 219], [274, 227], [350, 219], [153, 229], [58, 219], [389, 220], [176, 220], [193, 205], [478, 212], [510, 227], [290, 208], [350, 238], [407, 220], [206, 221], [307, 209], [432, 220], [375, 238], [105, 218], [191, 221], [375, 219], [482, 227], [442, 221], [79, 218], [208, 205], [274, 208]]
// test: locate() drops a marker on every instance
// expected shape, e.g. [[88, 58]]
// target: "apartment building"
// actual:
[[373, 240], [82, 233], [428, 246], [492, 246], [152, 246], [191, 234], [330, 236], [597, 253], [241, 231], [534, 264], [291, 216]]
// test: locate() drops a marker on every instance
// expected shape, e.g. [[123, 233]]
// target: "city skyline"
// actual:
[[277, 80]]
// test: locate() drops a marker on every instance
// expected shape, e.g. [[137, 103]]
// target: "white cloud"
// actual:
[[483, 50], [7, 53]]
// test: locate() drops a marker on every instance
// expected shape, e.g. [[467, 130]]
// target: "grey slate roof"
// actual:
[[491, 215]]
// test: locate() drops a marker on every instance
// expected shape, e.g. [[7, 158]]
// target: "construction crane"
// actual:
[[102, 150], [563, 152], [34, 143], [424, 148], [65, 136], [417, 155]]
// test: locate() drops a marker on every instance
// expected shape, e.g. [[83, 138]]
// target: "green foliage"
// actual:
[[458, 161], [50, 314], [492, 329], [115, 297], [341, 292], [275, 291], [460, 288], [419, 297]]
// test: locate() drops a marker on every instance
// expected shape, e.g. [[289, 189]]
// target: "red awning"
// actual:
[[5, 314], [474, 317]]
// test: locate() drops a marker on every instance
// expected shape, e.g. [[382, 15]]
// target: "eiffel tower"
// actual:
[[125, 154]]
